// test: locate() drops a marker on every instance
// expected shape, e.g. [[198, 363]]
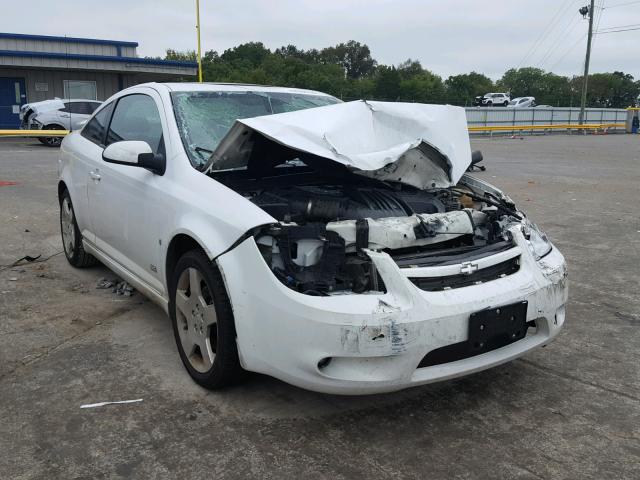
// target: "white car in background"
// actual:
[[56, 114], [339, 247], [522, 102], [492, 100]]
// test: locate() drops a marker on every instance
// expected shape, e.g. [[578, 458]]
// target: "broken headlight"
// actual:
[[537, 240], [311, 260]]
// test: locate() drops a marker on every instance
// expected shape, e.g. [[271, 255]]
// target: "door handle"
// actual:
[[95, 175]]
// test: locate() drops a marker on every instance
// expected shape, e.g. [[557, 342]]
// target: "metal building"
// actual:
[[38, 67]]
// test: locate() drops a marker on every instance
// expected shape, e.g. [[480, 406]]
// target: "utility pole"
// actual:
[[199, 50], [585, 78]]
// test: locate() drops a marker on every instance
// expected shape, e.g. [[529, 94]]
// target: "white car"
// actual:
[[522, 102], [492, 100], [339, 247], [56, 114]]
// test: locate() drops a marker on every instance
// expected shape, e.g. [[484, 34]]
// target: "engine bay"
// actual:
[[325, 224]]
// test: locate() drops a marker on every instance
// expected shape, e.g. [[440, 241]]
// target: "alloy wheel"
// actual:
[[197, 319], [67, 222]]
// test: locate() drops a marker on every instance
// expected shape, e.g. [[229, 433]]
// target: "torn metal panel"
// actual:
[[425, 146]]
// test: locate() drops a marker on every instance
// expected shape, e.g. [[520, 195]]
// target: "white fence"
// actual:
[[502, 116]]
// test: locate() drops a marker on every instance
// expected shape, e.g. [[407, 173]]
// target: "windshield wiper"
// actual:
[[207, 158]]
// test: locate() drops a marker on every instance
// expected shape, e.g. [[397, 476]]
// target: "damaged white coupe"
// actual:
[[340, 247]]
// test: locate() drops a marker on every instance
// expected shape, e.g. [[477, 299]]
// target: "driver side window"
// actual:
[[136, 117]]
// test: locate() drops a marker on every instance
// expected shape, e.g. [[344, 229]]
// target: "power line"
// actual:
[[567, 51], [557, 42], [622, 4], [565, 33], [548, 29], [618, 31], [620, 26], [600, 13]]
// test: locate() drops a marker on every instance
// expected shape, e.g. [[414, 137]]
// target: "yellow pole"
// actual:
[[199, 50]]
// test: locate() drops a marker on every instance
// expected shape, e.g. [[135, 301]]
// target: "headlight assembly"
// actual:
[[537, 240]]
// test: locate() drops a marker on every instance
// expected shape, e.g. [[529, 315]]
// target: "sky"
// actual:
[[446, 36]]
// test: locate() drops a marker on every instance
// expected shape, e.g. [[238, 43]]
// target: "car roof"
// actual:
[[229, 87]]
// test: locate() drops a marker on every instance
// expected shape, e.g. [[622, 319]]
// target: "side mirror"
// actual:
[[135, 153]]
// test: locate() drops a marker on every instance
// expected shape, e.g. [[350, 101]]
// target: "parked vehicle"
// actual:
[[288, 233], [492, 100], [56, 114], [522, 102]]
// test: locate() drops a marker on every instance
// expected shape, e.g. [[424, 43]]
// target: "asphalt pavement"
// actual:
[[568, 411]]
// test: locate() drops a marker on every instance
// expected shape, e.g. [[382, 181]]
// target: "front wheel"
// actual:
[[505, 103], [51, 141], [203, 323], [71, 236]]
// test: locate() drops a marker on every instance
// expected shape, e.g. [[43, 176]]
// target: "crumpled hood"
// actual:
[[44, 106], [425, 146]]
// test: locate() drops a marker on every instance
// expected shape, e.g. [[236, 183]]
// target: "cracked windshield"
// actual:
[[204, 118]]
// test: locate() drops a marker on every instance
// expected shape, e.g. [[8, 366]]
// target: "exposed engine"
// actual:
[[326, 203], [318, 246]]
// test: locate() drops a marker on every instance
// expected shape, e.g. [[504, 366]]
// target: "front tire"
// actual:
[[51, 141], [203, 323], [71, 236]]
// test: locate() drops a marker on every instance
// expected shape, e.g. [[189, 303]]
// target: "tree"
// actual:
[[418, 84], [387, 83], [189, 55], [348, 71], [353, 56], [547, 87], [462, 89], [611, 90], [245, 55]]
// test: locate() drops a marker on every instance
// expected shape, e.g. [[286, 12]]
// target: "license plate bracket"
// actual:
[[497, 327]]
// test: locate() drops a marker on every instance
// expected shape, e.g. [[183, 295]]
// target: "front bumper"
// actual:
[[376, 341]]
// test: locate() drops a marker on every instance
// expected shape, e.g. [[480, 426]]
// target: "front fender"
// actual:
[[214, 238]]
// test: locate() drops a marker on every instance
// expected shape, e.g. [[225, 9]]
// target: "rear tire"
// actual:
[[203, 324], [71, 236]]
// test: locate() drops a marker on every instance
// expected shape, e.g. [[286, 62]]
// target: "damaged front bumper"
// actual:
[[374, 343]]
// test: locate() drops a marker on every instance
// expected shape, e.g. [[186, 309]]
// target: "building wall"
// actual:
[[95, 64], [106, 83]]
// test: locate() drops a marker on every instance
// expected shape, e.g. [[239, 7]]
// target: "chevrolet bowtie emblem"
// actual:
[[467, 268]]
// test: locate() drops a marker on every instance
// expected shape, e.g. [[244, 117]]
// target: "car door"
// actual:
[[127, 201], [85, 159]]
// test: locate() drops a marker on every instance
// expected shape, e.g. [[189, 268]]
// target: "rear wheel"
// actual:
[[51, 141], [203, 323], [71, 236]]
